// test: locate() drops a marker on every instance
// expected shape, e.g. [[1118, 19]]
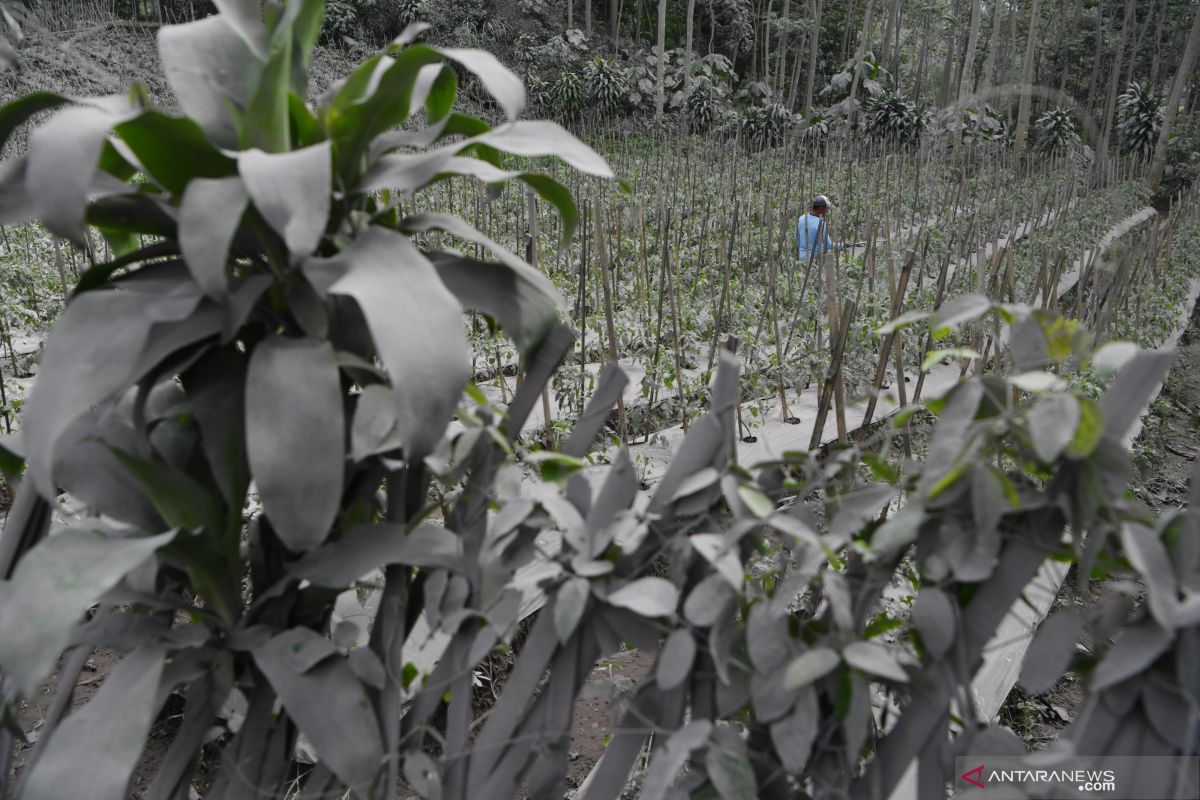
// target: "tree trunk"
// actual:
[[1068, 68], [660, 96], [587, 13], [570, 14], [1182, 75], [858, 59], [1139, 33], [614, 21], [794, 83], [948, 67], [1114, 75], [885, 48], [687, 48], [1098, 49], [989, 65], [782, 59], [1026, 77], [922, 60], [813, 43], [1158, 42], [965, 83]]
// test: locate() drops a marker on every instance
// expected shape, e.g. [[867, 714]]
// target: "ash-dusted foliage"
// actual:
[[1140, 119], [255, 398], [1055, 131]]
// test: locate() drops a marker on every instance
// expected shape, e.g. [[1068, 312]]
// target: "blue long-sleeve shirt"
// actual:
[[808, 241]]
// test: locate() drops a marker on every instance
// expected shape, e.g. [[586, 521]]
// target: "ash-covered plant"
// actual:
[[1055, 131], [984, 126], [247, 401], [341, 21], [276, 321], [567, 94], [607, 91], [765, 125], [1140, 118], [893, 116]]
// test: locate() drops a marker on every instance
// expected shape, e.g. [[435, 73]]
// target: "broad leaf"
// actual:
[[649, 597], [173, 150], [208, 220], [809, 666], [327, 701], [1052, 423], [874, 659], [416, 325], [98, 347], [675, 660], [292, 191], [533, 138], [294, 435], [935, 619], [730, 772], [569, 604], [94, 751], [367, 547], [1050, 651], [63, 157], [51, 587], [520, 298], [212, 72], [499, 81], [957, 311]]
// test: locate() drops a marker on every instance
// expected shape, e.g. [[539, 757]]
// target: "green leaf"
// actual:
[[16, 113], [52, 585], [416, 326], [759, 504], [881, 624], [1089, 431], [266, 123], [555, 466], [375, 97], [439, 100], [295, 434], [173, 150], [810, 666], [182, 501], [93, 752]]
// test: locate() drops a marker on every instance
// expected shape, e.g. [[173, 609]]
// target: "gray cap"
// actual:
[[820, 201]]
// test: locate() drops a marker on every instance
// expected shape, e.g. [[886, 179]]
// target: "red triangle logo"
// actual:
[[978, 773]]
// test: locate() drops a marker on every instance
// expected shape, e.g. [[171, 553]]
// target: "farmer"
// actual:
[[809, 231]]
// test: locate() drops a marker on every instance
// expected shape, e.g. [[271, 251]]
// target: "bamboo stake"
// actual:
[[602, 252]]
